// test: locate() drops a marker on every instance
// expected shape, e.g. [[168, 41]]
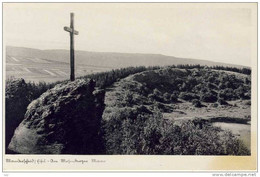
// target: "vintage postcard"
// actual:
[[129, 87]]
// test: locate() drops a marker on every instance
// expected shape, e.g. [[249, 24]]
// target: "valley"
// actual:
[[53, 65], [43, 70]]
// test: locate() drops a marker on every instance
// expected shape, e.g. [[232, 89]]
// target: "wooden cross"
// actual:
[[72, 33]]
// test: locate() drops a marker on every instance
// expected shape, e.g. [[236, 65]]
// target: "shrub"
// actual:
[[127, 99], [162, 108], [112, 126], [247, 81], [211, 79], [36, 89], [188, 96], [151, 97], [174, 98], [157, 96], [221, 86], [16, 102], [240, 92], [198, 87], [128, 131], [211, 86], [208, 97], [157, 93], [142, 109], [196, 103], [221, 101], [204, 89], [183, 86], [228, 94], [166, 97], [234, 146]]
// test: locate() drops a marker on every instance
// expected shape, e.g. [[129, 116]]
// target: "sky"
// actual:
[[216, 32]]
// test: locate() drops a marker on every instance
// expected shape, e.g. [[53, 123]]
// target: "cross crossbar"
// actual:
[[68, 29]]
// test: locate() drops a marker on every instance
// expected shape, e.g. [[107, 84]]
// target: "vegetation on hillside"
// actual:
[[132, 131], [134, 124], [204, 85], [246, 71]]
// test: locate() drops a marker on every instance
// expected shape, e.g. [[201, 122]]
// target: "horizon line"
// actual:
[[133, 53]]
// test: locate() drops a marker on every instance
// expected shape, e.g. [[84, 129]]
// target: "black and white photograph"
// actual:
[[175, 80]]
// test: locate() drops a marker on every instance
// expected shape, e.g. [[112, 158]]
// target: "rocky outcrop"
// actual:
[[63, 120], [16, 101]]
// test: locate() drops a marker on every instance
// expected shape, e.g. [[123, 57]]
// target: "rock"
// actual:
[[16, 101], [63, 120]]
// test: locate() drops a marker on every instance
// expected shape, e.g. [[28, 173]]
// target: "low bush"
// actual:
[[162, 107], [128, 99], [151, 134], [221, 101], [196, 103], [174, 98], [188, 96], [166, 97], [228, 94], [208, 97]]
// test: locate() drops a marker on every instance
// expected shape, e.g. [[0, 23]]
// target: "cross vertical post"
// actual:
[[72, 72], [72, 33]]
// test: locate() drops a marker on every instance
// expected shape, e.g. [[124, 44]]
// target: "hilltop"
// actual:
[[208, 97]]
